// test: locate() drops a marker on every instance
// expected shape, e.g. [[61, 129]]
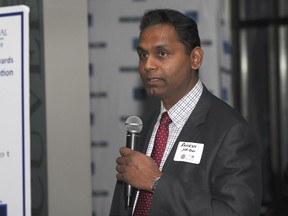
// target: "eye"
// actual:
[[162, 53], [142, 55]]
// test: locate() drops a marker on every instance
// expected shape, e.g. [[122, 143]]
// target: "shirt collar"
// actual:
[[181, 111]]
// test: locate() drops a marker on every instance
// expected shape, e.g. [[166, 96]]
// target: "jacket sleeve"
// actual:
[[233, 181]]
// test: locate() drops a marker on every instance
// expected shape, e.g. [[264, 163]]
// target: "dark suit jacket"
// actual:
[[226, 182]]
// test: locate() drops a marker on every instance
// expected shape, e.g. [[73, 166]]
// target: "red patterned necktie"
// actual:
[[145, 197]]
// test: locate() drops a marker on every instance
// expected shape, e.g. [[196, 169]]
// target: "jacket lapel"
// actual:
[[192, 129]]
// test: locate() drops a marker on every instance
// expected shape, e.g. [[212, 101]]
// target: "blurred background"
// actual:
[[84, 84]]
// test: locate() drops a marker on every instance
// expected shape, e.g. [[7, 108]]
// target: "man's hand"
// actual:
[[136, 169]]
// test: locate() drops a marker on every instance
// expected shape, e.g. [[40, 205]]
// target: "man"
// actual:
[[211, 162]]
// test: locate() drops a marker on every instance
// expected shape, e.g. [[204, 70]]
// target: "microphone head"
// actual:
[[133, 124]]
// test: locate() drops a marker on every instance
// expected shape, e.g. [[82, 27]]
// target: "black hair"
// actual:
[[185, 27]]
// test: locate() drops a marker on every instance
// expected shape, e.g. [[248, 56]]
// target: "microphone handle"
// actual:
[[131, 140]]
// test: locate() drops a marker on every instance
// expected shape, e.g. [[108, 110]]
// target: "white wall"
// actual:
[[67, 107]]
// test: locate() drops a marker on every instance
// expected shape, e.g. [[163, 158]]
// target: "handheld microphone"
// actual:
[[133, 126]]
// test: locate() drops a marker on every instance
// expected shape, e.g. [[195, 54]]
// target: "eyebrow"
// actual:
[[164, 46], [139, 48]]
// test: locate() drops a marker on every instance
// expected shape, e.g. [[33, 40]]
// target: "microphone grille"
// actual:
[[133, 124]]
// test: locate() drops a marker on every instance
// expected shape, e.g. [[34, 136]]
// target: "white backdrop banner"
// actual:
[[116, 89], [15, 181]]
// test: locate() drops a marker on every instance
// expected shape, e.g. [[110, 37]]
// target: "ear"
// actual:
[[196, 57]]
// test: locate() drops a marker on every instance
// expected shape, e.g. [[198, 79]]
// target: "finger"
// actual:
[[118, 168], [124, 151], [121, 149], [120, 160]]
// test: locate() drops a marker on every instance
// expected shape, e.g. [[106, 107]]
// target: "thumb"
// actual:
[[124, 151]]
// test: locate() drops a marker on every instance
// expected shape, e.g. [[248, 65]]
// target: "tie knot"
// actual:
[[165, 119]]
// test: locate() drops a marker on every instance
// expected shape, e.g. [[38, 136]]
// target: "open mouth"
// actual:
[[153, 79]]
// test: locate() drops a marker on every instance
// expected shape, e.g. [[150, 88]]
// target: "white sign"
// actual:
[[15, 191]]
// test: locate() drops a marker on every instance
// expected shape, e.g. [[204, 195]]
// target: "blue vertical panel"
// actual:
[[3, 210]]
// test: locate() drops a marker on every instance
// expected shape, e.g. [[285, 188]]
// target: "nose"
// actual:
[[150, 64]]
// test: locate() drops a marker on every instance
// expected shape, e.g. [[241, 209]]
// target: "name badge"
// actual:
[[189, 152]]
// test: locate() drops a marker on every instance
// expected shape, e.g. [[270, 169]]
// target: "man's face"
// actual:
[[165, 69]]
